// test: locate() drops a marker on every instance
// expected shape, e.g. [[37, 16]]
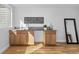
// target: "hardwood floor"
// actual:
[[60, 48]]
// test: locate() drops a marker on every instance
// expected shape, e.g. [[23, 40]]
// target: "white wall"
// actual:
[[4, 39], [52, 15], [4, 34]]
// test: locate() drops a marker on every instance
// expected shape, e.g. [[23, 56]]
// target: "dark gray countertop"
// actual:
[[35, 29]]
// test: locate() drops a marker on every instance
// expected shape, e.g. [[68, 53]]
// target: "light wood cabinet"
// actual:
[[12, 37], [49, 37], [30, 37], [24, 37], [21, 37]]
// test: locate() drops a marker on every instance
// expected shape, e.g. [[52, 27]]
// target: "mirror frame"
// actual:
[[67, 41]]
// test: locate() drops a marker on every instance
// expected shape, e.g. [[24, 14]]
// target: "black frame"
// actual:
[[75, 31]]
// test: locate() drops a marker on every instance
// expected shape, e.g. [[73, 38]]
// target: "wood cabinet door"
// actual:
[[17, 41], [31, 38], [24, 38], [50, 38], [53, 41], [21, 37], [12, 37]]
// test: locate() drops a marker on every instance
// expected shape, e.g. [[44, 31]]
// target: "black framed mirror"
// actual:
[[71, 31]]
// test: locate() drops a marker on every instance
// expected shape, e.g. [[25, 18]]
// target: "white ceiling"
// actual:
[[45, 5]]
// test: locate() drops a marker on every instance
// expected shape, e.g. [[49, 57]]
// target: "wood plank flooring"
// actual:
[[41, 49]]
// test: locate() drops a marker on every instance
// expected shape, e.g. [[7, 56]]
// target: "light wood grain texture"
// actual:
[[50, 37], [30, 37], [59, 48], [12, 37], [21, 37]]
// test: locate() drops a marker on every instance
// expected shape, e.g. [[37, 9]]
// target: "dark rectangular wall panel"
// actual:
[[33, 20]]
